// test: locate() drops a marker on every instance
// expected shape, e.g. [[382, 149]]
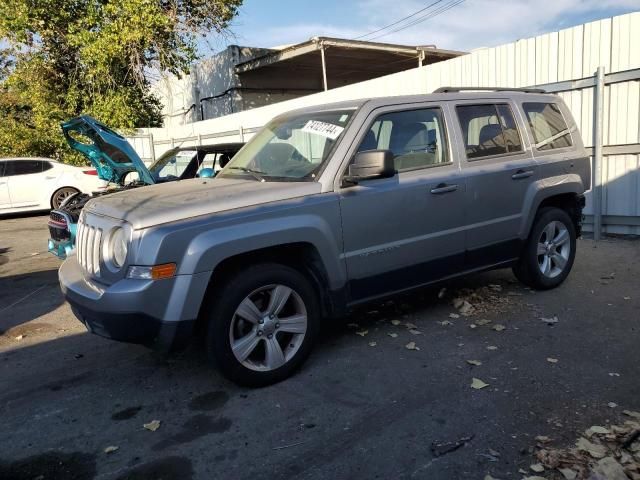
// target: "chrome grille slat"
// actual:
[[96, 252], [90, 239], [88, 243]]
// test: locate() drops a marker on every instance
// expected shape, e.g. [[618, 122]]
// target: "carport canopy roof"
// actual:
[[345, 57]]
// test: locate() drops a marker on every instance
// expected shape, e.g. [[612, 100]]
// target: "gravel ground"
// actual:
[[364, 405]]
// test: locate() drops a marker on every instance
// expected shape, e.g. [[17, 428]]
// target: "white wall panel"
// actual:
[[569, 54]]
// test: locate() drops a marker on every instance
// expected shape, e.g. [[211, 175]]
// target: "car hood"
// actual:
[[146, 207], [109, 152]]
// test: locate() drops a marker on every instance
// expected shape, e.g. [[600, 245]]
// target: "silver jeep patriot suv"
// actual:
[[328, 207]]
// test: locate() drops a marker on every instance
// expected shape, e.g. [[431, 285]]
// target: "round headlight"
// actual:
[[118, 246]]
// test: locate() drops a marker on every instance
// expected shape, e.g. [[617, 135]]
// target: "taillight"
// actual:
[[90, 172]]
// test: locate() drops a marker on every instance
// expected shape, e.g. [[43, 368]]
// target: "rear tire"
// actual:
[[549, 252], [262, 325], [61, 195]]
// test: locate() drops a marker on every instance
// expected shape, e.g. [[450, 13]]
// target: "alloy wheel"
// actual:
[[554, 249], [268, 327]]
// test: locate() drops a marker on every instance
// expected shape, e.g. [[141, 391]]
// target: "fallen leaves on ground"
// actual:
[[499, 327], [552, 360], [373, 344], [537, 467], [415, 332], [410, 326], [478, 384], [411, 346], [393, 335], [550, 321], [445, 323], [492, 347], [395, 323], [482, 321], [362, 333], [602, 453], [153, 425], [475, 363], [454, 315], [111, 449]]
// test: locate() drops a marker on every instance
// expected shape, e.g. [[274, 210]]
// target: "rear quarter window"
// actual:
[[548, 125], [23, 167]]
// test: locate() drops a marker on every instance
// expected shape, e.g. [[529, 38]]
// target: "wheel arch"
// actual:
[[302, 256], [566, 194]]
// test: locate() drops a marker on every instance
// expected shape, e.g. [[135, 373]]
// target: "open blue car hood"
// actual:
[[109, 152]]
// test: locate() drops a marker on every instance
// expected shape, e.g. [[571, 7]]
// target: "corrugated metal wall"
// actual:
[[570, 54]]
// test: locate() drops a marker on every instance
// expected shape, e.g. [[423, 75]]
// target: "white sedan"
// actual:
[[28, 184]]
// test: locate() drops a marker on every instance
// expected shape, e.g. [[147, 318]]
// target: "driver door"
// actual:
[[405, 231]]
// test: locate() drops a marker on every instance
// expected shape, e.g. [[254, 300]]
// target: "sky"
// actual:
[[471, 24]]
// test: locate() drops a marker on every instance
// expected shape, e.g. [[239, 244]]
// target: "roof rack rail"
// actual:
[[490, 89]]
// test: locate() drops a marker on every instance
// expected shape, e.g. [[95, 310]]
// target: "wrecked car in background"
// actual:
[[116, 162]]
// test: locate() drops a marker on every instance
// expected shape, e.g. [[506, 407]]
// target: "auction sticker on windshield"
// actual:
[[328, 130]]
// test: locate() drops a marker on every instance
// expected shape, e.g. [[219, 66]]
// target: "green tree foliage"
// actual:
[[62, 58]]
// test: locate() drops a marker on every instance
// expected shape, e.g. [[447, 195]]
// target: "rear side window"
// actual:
[[23, 167], [2, 169], [46, 166], [547, 125], [488, 130], [416, 138]]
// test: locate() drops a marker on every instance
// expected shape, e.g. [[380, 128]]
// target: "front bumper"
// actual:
[[60, 248], [133, 311]]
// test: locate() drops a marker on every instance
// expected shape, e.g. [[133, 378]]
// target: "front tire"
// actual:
[[263, 324], [549, 252]]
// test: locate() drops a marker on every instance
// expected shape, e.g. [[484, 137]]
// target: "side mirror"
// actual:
[[207, 173], [371, 164]]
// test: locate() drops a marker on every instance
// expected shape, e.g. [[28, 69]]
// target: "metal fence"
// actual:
[[595, 67]]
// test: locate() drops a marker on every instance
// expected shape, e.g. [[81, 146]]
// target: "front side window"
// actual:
[[547, 125], [2, 164], [416, 138], [488, 130], [290, 148], [23, 167]]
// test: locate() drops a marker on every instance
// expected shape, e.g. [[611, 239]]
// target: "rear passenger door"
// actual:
[[404, 231], [26, 182], [499, 168], [5, 201]]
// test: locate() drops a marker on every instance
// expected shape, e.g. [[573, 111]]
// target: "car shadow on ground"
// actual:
[[27, 297]]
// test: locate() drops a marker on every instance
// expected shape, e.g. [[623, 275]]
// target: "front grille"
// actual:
[[88, 244], [58, 227]]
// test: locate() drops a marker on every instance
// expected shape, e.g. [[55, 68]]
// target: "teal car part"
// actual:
[[108, 151], [114, 159]]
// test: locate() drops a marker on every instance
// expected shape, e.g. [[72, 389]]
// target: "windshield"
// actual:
[[172, 165], [290, 148]]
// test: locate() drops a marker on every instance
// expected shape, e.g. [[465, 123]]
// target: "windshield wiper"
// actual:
[[254, 173]]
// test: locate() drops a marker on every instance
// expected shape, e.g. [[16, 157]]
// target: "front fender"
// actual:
[[208, 249], [546, 188]]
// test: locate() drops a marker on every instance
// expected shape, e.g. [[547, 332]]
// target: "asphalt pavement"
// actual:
[[387, 393]]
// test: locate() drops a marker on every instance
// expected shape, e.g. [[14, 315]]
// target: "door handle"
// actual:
[[49, 178], [3, 183], [444, 188], [522, 174]]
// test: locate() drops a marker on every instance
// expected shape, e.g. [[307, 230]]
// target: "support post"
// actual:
[[241, 133], [598, 133], [324, 69], [152, 147]]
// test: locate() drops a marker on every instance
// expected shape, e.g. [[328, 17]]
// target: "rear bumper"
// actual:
[[132, 311]]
